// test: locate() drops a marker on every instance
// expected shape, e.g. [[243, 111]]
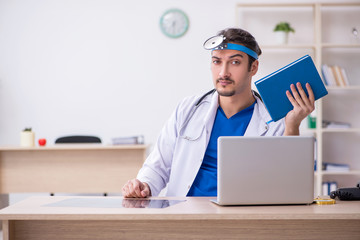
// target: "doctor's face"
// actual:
[[231, 73]]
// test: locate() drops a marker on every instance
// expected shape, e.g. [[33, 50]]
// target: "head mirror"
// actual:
[[213, 42], [217, 43]]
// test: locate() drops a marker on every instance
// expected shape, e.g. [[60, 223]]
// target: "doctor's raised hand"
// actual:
[[136, 189], [303, 106]]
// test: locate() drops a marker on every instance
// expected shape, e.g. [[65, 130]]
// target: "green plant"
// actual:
[[284, 27]]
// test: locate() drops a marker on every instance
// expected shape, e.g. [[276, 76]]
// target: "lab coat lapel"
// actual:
[[210, 115], [258, 124]]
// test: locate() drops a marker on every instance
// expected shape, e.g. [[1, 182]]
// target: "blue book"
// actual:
[[273, 87]]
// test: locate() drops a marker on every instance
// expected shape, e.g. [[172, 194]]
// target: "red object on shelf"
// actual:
[[42, 141]]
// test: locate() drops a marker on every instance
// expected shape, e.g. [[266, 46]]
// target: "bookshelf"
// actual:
[[324, 31]]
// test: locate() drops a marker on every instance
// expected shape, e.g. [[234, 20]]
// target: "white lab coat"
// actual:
[[180, 148]]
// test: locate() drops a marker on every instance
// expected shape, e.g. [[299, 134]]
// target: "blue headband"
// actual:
[[233, 46], [217, 43]]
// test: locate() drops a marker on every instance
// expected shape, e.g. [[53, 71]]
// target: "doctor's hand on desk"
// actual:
[[303, 106], [136, 189]]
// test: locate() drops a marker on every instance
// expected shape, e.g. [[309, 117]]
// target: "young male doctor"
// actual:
[[185, 156]]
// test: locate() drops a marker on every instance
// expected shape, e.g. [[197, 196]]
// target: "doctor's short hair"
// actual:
[[238, 35]]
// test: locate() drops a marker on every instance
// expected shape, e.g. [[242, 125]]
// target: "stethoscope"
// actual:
[[196, 106], [213, 90]]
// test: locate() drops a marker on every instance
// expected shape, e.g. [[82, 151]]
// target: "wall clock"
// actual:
[[174, 23]]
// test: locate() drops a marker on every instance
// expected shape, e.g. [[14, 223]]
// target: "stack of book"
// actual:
[[336, 167], [334, 124], [334, 76], [328, 187], [128, 140]]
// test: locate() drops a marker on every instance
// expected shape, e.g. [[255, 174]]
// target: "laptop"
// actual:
[[265, 170]]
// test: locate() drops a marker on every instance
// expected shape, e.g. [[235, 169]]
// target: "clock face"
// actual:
[[174, 23]]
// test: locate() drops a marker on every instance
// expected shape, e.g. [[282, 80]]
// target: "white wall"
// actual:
[[100, 67]]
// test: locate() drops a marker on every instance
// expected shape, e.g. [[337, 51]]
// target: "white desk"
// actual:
[[196, 218]]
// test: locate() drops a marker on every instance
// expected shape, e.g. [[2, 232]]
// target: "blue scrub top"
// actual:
[[205, 183]]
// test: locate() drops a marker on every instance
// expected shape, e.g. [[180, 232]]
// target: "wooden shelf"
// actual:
[[329, 130], [307, 46], [94, 146], [339, 45], [334, 88], [340, 4], [340, 130], [264, 5], [352, 172], [69, 168], [327, 173], [288, 46]]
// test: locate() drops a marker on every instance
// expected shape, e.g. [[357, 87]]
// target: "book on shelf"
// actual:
[[334, 76], [128, 140], [343, 74], [334, 124], [339, 81], [273, 87], [335, 167], [328, 187]]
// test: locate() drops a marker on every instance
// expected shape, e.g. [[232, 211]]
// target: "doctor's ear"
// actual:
[[254, 67]]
